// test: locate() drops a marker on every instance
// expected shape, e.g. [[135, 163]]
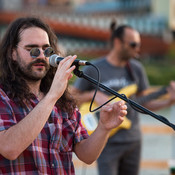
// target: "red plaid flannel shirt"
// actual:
[[51, 151]]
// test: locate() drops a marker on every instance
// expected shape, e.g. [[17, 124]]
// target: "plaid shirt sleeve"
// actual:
[[81, 132], [7, 118], [72, 130]]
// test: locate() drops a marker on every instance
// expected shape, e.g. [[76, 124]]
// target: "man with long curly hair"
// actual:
[[40, 125]]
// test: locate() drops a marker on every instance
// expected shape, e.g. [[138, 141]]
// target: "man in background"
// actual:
[[119, 69]]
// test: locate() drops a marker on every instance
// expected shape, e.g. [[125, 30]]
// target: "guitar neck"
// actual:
[[152, 96]]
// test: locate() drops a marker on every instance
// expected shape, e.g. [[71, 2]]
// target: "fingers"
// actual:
[[171, 91], [122, 107], [118, 106], [172, 85], [112, 115], [65, 69], [121, 104], [171, 88], [67, 61]]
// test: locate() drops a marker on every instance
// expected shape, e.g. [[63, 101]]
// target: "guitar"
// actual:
[[90, 120]]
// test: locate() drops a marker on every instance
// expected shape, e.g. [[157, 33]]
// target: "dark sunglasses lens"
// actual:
[[134, 45], [34, 52], [48, 52]]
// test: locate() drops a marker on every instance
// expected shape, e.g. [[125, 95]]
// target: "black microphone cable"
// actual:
[[96, 89]]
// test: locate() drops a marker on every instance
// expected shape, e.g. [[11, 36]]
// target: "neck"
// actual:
[[34, 87]]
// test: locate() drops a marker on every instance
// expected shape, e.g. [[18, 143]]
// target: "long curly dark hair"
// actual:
[[11, 80]]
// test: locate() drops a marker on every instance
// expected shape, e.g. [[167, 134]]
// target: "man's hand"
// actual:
[[62, 76], [112, 115], [171, 91]]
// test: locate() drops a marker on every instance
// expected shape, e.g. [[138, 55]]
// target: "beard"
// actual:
[[26, 71], [124, 56]]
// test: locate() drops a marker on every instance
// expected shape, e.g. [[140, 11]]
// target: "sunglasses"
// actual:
[[35, 52], [134, 44]]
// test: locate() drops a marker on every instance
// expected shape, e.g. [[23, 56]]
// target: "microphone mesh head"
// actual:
[[53, 60]]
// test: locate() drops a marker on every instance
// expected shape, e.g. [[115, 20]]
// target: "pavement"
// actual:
[[157, 149]]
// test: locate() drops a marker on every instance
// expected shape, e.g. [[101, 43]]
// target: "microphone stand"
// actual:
[[80, 74]]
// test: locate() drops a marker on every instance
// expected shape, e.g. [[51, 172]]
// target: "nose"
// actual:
[[138, 49], [41, 55]]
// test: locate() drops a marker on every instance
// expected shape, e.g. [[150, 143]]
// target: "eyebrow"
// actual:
[[35, 45]]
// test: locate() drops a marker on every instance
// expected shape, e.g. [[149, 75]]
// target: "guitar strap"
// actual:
[[131, 72]]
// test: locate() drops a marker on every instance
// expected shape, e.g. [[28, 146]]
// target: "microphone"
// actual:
[[55, 59]]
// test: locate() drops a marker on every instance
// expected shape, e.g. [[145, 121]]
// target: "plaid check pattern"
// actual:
[[51, 151]]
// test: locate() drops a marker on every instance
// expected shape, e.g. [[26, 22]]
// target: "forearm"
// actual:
[[89, 149], [87, 96], [111, 116], [158, 104], [18, 137], [81, 97]]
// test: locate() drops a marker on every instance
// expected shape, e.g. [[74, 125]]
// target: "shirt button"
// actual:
[[53, 165]]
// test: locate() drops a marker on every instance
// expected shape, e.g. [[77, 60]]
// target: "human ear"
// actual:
[[117, 42], [14, 55]]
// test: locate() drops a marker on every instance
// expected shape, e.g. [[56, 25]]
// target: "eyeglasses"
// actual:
[[35, 52], [134, 44]]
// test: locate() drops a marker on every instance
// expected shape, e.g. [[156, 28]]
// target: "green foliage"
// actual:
[[160, 71]]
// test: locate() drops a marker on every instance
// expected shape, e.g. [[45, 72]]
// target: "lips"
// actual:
[[38, 64]]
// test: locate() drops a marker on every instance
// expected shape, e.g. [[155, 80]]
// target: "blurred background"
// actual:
[[82, 27]]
